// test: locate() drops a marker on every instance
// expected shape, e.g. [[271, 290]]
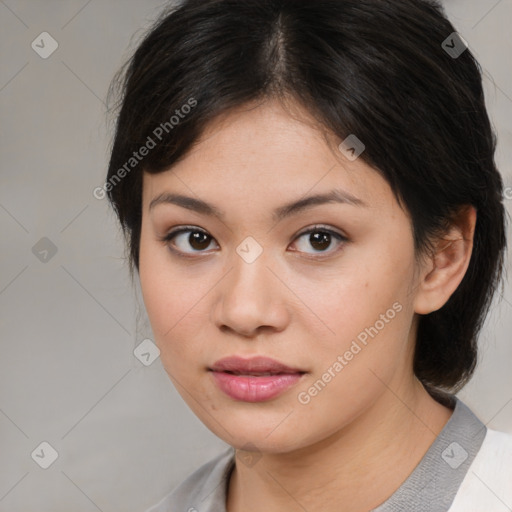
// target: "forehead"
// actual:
[[260, 152]]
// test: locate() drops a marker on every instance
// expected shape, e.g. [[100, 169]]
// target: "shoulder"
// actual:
[[204, 489], [488, 483]]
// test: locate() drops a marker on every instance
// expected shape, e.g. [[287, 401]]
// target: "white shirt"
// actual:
[[487, 486]]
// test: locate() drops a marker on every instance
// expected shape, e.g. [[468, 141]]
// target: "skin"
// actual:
[[357, 440]]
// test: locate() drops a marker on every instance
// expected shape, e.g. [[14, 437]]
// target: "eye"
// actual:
[[197, 238], [320, 238]]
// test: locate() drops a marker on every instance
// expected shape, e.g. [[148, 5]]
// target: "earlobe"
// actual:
[[445, 269]]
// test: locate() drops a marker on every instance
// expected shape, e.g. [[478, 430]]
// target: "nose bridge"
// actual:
[[250, 271], [248, 296]]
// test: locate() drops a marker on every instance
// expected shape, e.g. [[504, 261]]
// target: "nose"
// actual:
[[251, 298]]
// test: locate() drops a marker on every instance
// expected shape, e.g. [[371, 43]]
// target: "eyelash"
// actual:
[[315, 229]]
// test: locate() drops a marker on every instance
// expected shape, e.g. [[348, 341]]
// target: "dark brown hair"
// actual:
[[380, 69]]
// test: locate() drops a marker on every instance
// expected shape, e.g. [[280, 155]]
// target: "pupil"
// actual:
[[194, 239], [319, 238]]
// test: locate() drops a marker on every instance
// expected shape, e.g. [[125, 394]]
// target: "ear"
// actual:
[[442, 272]]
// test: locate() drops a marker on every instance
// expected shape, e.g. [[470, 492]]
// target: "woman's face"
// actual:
[[338, 308]]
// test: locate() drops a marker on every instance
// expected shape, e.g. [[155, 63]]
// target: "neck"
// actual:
[[350, 468]]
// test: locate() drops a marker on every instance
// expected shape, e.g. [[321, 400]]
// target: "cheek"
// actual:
[[368, 349], [176, 306], [365, 310], [164, 297], [357, 296]]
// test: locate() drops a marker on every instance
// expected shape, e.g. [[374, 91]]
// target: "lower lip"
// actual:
[[249, 388]]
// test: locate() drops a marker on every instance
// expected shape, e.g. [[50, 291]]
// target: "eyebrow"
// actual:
[[204, 208]]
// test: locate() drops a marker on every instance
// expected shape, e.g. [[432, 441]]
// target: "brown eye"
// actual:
[[320, 239], [197, 239]]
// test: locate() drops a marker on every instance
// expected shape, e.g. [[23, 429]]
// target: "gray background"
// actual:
[[69, 325]]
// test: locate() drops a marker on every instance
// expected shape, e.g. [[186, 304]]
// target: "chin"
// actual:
[[247, 436]]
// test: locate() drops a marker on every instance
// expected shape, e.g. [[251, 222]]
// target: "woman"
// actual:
[[310, 199]]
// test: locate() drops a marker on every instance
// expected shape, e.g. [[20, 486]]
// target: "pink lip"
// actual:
[[248, 386], [257, 364]]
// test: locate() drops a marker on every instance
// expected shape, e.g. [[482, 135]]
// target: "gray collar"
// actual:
[[433, 484]]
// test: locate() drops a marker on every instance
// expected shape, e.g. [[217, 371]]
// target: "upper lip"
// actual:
[[258, 364]]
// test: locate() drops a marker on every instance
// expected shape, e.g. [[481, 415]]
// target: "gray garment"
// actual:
[[431, 487]]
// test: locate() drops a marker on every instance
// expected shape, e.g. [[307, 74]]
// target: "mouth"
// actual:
[[254, 380], [254, 366], [260, 374]]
